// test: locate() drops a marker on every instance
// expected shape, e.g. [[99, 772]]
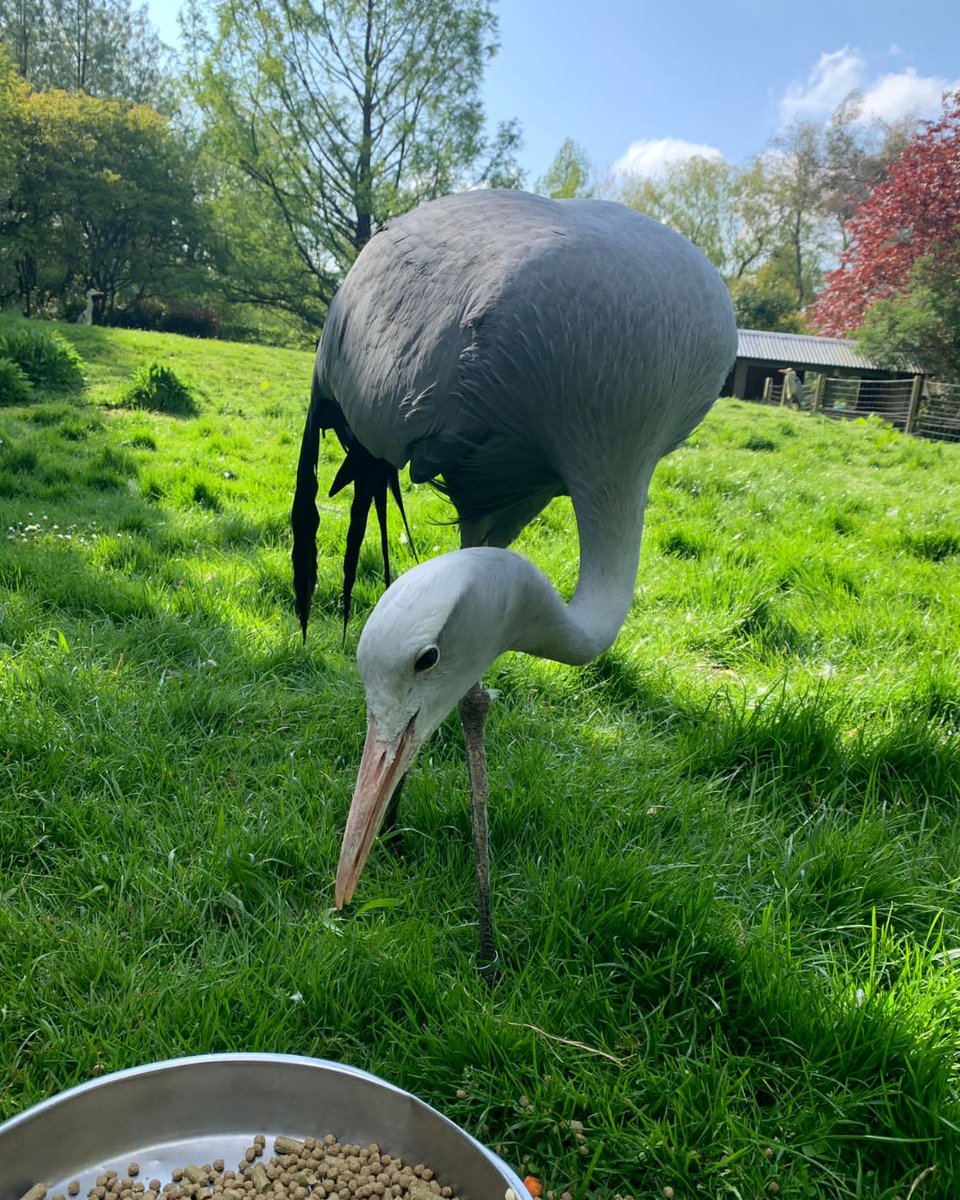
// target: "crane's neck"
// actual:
[[610, 524]]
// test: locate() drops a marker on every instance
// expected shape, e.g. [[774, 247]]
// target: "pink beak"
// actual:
[[381, 768]]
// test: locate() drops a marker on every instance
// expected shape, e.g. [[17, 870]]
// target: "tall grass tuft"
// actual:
[[157, 387], [48, 361], [15, 387]]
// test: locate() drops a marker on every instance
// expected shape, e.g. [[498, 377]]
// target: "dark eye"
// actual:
[[427, 659]]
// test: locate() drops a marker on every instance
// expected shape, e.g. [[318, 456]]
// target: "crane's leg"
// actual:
[[473, 716]]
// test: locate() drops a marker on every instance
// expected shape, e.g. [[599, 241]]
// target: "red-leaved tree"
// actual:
[[913, 213]]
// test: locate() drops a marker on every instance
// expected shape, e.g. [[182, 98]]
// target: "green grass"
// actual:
[[726, 856]]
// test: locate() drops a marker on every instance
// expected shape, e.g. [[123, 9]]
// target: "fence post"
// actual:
[[818, 392], [914, 404], [767, 389]]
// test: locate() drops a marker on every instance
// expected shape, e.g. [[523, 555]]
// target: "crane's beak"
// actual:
[[381, 768]]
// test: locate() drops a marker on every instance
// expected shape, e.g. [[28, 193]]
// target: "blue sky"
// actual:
[[679, 74]]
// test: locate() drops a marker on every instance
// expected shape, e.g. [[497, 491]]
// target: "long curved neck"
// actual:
[[610, 524]]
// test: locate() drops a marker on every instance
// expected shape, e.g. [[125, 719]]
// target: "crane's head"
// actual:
[[431, 637]]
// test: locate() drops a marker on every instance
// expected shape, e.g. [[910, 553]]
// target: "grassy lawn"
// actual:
[[726, 856]]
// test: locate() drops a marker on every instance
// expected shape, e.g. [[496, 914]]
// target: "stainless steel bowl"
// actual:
[[186, 1110]]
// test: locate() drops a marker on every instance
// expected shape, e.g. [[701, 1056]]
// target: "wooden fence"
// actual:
[[926, 409]]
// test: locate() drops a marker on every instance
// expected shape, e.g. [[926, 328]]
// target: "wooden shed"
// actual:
[[761, 355]]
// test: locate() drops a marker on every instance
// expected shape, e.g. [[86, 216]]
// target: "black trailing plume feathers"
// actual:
[[304, 517], [371, 478]]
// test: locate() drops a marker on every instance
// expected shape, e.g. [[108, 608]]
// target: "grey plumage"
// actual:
[[512, 344], [513, 349]]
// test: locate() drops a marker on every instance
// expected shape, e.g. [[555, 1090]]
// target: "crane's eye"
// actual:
[[426, 659]]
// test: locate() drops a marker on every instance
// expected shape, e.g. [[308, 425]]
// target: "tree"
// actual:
[[921, 324], [796, 187], [755, 220], [568, 176], [855, 155], [765, 300], [695, 198], [102, 47], [343, 113], [912, 214], [13, 92], [104, 196], [21, 26], [257, 260], [722, 209]]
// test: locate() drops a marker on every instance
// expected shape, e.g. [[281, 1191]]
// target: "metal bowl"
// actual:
[[185, 1110]]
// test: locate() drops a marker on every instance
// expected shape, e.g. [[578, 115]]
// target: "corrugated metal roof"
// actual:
[[801, 349]]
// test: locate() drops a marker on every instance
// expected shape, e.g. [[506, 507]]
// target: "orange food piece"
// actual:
[[533, 1186]]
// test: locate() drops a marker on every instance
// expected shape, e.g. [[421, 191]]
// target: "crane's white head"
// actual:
[[430, 638]]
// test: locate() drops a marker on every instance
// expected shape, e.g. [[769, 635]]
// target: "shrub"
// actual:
[[15, 387], [47, 360], [158, 388], [168, 316]]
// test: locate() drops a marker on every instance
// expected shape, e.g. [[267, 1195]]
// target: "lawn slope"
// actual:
[[726, 855]]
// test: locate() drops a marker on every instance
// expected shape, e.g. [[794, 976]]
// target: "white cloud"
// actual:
[[896, 50], [834, 77], [905, 93], [651, 156], [887, 97]]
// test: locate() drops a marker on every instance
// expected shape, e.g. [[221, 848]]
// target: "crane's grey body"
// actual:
[[522, 348], [514, 349]]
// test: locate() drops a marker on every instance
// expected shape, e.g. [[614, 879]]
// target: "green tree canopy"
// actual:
[[720, 208], [764, 300], [103, 47], [568, 176], [103, 194], [921, 324], [342, 114]]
